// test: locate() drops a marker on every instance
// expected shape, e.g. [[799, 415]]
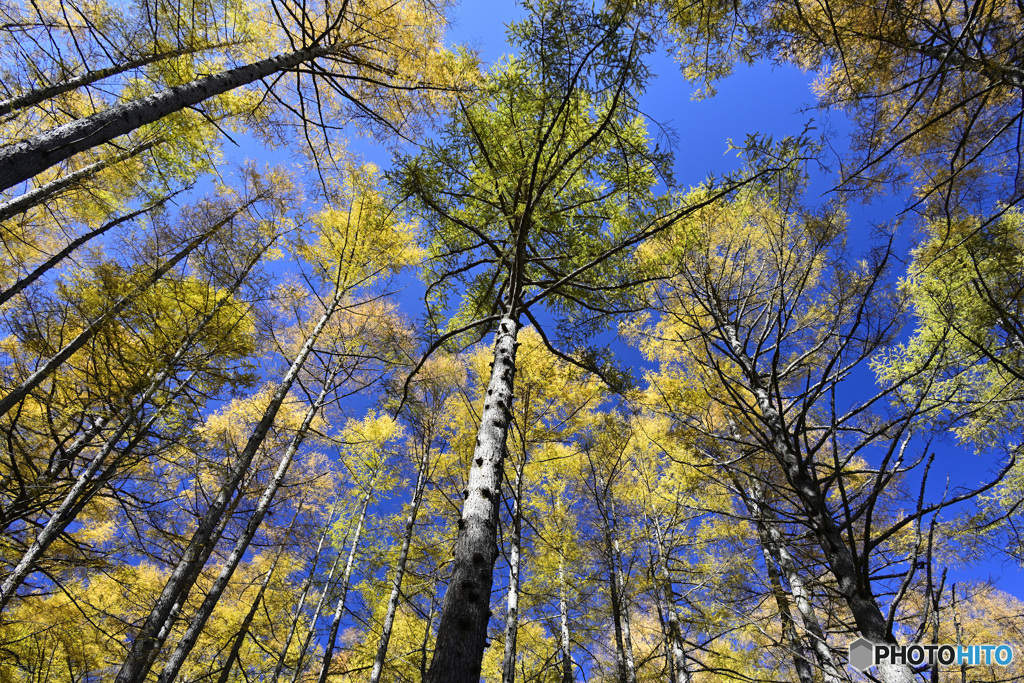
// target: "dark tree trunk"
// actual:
[[21, 161], [37, 196]]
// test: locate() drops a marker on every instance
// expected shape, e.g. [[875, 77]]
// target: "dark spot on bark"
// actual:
[[465, 494], [479, 461], [462, 523], [478, 558], [486, 493]]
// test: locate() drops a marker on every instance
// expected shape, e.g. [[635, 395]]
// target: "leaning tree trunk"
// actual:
[[47, 92], [396, 581], [20, 161], [17, 394], [802, 597], [188, 641], [462, 633], [38, 195], [243, 630], [44, 267], [855, 589], [789, 632], [150, 639], [346, 579]]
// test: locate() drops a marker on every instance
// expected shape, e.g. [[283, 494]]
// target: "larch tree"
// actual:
[[527, 197]]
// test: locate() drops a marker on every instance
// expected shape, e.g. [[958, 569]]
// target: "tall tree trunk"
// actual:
[[462, 633], [851, 585], [564, 643], [346, 578], [673, 624], [38, 195], [616, 583], [396, 581], [44, 267], [317, 611], [150, 639], [188, 641], [508, 669], [20, 161], [804, 604]]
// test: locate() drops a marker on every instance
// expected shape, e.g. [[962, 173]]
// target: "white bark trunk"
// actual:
[[462, 633]]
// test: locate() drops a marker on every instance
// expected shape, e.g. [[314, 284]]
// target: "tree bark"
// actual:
[[396, 581], [508, 669], [677, 650], [796, 647], [39, 95], [564, 642], [462, 633], [23, 160]]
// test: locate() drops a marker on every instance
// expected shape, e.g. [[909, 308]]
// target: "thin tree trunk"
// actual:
[[563, 623], [616, 583], [306, 585], [462, 633], [38, 195], [346, 577], [187, 642], [23, 160], [44, 267], [17, 394], [38, 95], [804, 604], [150, 639], [243, 631], [312, 627], [396, 581], [855, 592], [512, 617]]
